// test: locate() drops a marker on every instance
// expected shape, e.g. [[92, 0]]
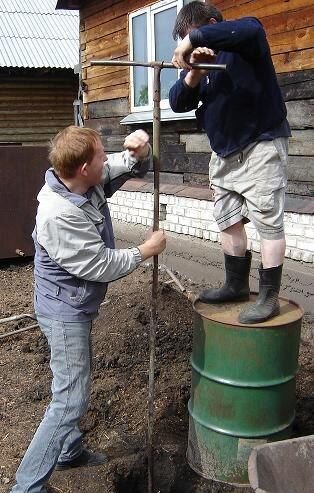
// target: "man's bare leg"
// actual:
[[273, 252], [234, 240]]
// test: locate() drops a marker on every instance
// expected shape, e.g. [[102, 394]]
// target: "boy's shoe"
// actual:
[[85, 459]]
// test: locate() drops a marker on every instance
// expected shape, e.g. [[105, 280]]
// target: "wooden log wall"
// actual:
[[289, 27], [35, 104]]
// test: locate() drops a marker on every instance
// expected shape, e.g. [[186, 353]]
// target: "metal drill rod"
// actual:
[[130, 63], [154, 310], [157, 66]]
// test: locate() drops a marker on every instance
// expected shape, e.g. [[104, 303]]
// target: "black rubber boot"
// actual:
[[85, 459], [236, 287], [267, 304]]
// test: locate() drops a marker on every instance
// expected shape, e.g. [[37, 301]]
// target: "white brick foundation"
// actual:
[[195, 218]]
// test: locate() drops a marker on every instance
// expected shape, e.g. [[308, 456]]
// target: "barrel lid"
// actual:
[[227, 313]]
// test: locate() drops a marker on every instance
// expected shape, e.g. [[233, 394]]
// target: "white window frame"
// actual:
[[150, 11]]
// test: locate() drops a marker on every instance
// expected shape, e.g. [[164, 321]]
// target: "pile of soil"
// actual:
[[116, 421]]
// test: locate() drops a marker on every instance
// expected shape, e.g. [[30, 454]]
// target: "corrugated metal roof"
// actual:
[[34, 35]]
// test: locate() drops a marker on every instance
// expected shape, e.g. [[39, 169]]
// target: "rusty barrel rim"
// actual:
[[279, 321]]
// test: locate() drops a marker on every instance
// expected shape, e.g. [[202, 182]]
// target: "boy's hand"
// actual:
[[199, 55], [137, 144], [181, 53]]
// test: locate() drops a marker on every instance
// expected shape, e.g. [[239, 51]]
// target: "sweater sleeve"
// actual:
[[245, 36], [183, 98]]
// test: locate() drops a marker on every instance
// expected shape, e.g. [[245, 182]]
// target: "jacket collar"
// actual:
[[57, 186]]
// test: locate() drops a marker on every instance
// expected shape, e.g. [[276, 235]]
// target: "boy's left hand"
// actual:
[[137, 144], [181, 54]]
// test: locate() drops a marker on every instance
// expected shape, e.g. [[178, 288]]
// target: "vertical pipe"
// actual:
[[153, 317]]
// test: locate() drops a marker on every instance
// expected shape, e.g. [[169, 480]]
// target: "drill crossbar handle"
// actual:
[[131, 63]]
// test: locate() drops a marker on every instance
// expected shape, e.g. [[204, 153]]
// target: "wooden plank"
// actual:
[[171, 147], [66, 105], [106, 43], [116, 53], [21, 92], [295, 60], [185, 162], [42, 77], [297, 85], [298, 39], [166, 178], [184, 126], [95, 8], [43, 129], [31, 138], [195, 142], [23, 86], [111, 46], [301, 143], [28, 112], [295, 78], [288, 21], [105, 14], [115, 141], [264, 8], [110, 80], [301, 90], [115, 10], [32, 122], [97, 71], [300, 188], [121, 91], [117, 107], [301, 114], [300, 169], [112, 26], [224, 5], [108, 126], [35, 95]]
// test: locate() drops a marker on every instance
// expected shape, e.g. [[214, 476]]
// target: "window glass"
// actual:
[[165, 46], [151, 39], [140, 76]]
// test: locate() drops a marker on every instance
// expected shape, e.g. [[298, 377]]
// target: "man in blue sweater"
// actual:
[[244, 117]]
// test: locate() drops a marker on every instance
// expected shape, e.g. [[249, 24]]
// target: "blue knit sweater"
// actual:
[[243, 104]]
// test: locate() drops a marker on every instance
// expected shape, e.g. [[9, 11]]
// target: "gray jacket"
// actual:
[[75, 256]]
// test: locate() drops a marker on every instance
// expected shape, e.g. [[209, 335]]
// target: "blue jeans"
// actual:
[[58, 437]]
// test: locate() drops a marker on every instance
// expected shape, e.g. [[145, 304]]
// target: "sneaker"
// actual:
[[85, 459]]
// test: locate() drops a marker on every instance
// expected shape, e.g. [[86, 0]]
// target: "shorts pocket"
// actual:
[[266, 203], [267, 168], [265, 191]]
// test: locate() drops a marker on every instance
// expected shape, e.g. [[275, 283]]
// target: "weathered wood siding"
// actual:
[[289, 27], [104, 34], [35, 104]]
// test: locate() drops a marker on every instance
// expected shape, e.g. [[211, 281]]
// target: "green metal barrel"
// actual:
[[243, 386]]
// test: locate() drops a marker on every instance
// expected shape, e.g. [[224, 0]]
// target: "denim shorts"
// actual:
[[250, 186]]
